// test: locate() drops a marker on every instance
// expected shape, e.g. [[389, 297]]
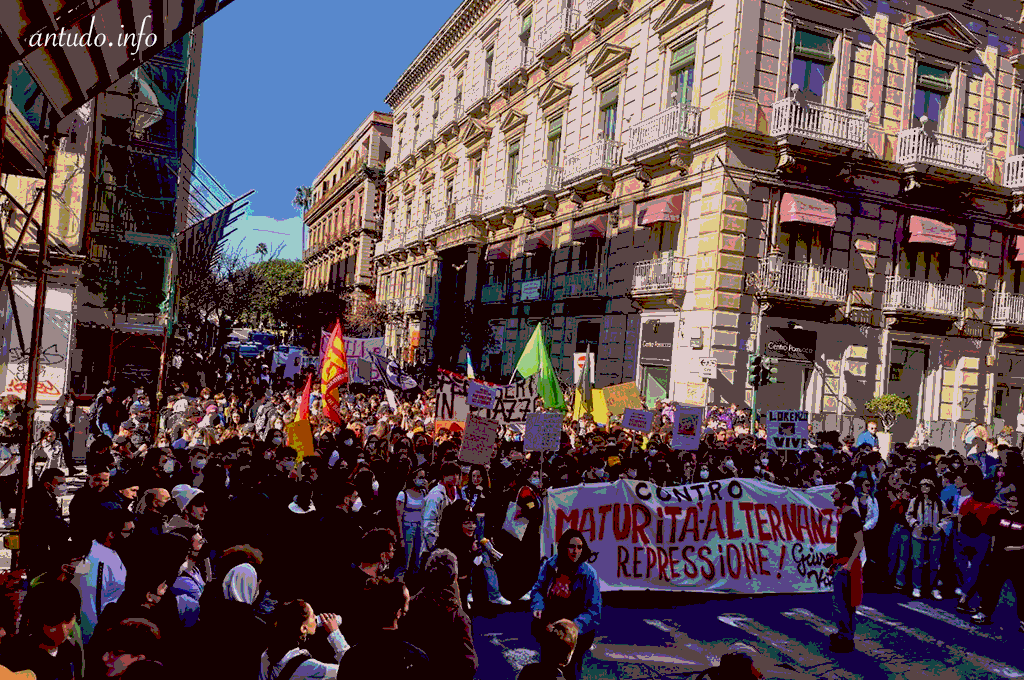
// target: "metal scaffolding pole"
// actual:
[[38, 319]]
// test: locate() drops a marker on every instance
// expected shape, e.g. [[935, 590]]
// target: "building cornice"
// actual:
[[458, 24]]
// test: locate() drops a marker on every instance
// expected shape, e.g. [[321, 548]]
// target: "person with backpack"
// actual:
[[925, 517]]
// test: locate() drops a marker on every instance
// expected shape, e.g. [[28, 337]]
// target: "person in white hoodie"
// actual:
[[100, 578]]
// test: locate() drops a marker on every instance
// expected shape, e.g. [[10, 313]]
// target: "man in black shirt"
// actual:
[[1005, 563], [846, 576]]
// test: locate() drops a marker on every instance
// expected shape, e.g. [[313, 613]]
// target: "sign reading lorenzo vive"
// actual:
[[794, 344], [656, 339]]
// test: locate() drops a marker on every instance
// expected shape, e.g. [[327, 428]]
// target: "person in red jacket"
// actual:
[[1006, 562], [974, 537]]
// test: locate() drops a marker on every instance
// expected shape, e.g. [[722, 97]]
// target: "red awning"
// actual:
[[1019, 241], [499, 251], [591, 227], [807, 209], [925, 230], [664, 209], [539, 241]]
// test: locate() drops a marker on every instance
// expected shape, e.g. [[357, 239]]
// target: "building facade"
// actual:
[[343, 222], [835, 183]]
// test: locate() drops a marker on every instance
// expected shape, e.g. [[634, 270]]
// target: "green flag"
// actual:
[[536, 358]]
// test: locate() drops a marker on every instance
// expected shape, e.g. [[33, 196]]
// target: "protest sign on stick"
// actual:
[[686, 427], [620, 397], [479, 395], [543, 432], [637, 420], [478, 440]]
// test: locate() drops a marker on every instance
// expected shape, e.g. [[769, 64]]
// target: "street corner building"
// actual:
[[833, 183]]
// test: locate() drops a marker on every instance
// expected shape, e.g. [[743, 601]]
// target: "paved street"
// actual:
[[657, 635]]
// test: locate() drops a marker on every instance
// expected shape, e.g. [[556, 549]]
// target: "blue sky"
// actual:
[[282, 86]]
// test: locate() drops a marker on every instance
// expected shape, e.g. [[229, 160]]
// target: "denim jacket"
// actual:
[[585, 582]]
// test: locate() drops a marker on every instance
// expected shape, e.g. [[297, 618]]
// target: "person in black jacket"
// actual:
[[43, 644], [383, 652], [85, 505], [44, 533], [229, 630]]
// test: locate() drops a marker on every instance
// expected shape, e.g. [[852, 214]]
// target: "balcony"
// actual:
[[380, 249], [390, 166], [448, 121], [493, 293], [592, 161], [539, 184], [663, 275], [510, 73], [478, 98], [599, 9], [531, 290], [413, 236], [919, 147], [914, 297], [790, 279], [497, 200], [1008, 309], [435, 222], [426, 136], [413, 303], [468, 207], [677, 124], [1013, 172], [555, 37], [580, 284], [809, 120]]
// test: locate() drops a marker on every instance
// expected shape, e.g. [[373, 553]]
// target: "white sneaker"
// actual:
[[936, 595], [916, 594], [502, 601], [525, 598], [959, 592], [469, 598]]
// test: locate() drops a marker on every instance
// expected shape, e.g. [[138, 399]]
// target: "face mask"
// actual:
[[764, 460], [288, 465], [61, 490], [163, 444], [731, 465], [169, 467], [757, 469], [200, 463], [704, 474], [277, 441], [419, 482], [348, 442], [535, 481], [602, 474], [358, 505], [375, 486]]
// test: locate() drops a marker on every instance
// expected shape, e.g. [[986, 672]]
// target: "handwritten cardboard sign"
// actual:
[[635, 419], [788, 430], [478, 440], [686, 427], [620, 397], [543, 432], [480, 395]]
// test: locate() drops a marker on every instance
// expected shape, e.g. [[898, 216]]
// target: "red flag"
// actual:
[[333, 374], [303, 413]]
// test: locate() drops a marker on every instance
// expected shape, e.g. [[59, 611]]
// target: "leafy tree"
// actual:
[[276, 278], [889, 408]]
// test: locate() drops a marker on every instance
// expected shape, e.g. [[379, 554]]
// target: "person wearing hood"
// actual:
[[567, 588], [126, 489], [437, 622], [191, 503], [229, 629]]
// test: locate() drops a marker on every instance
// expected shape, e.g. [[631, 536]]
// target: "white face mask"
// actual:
[[375, 486], [61, 490], [731, 465], [764, 460], [358, 505], [420, 482], [277, 441], [169, 467], [200, 463], [288, 465], [757, 469], [348, 442], [535, 481], [704, 474]]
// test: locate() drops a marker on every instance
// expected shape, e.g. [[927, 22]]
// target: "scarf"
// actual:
[[240, 584]]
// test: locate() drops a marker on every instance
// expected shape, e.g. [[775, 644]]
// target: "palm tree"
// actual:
[[302, 202], [261, 249]]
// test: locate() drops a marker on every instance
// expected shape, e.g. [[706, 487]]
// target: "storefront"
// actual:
[[796, 349], [656, 344]]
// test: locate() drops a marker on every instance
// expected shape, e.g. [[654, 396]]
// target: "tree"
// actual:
[[366, 317], [888, 408], [303, 200], [261, 249], [275, 279]]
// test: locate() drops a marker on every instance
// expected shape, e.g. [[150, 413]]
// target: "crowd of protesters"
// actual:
[[198, 546]]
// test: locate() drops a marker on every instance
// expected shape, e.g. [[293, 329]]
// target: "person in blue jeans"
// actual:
[[847, 586], [899, 541], [926, 519]]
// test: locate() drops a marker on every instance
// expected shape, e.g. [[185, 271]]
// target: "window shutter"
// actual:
[[555, 128], [610, 96], [684, 56], [513, 149], [527, 24], [935, 79], [813, 46]]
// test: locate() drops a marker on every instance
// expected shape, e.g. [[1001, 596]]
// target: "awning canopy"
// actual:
[[590, 227], [664, 209], [807, 209], [926, 230], [1019, 242], [103, 41], [539, 241], [499, 251]]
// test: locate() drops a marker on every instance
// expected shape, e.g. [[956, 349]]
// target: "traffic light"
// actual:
[[754, 370], [770, 371]]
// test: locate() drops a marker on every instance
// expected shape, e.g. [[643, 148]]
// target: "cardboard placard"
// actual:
[[620, 397], [637, 420], [479, 395], [788, 430], [686, 427], [543, 432], [478, 440]]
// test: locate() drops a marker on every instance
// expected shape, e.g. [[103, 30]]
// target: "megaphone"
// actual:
[[486, 544]]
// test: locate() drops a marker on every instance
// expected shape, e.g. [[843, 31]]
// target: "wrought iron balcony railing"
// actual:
[[666, 274], [604, 154], [788, 278], [918, 145], [545, 179], [676, 123], [580, 284], [924, 297], [1008, 309], [816, 121]]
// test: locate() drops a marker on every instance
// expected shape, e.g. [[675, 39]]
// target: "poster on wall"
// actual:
[[53, 351]]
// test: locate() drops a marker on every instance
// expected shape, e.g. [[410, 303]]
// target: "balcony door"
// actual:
[[907, 367], [801, 242], [811, 67], [924, 263], [681, 70], [608, 113]]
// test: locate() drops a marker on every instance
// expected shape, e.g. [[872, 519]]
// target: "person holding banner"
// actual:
[[846, 575], [568, 588]]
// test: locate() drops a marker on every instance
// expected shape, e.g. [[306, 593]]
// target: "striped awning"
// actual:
[[539, 241], [499, 251], [927, 230], [664, 209], [590, 227], [807, 209]]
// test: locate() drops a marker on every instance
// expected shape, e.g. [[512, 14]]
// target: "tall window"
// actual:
[[408, 215], [812, 62], [554, 139], [925, 262], [416, 127], [513, 165], [426, 205], [609, 111], [458, 89], [437, 108], [681, 70], [476, 170], [488, 68], [1020, 128], [802, 242], [587, 254], [449, 198], [526, 30], [538, 265], [933, 88]]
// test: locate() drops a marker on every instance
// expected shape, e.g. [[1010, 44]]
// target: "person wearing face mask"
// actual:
[[45, 645], [409, 506], [372, 559], [1006, 562], [726, 468], [440, 497], [293, 624], [191, 503], [103, 572], [45, 534]]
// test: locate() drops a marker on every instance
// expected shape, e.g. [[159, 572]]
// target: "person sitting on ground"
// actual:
[[557, 647]]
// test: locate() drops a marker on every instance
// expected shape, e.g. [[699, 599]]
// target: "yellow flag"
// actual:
[[300, 438]]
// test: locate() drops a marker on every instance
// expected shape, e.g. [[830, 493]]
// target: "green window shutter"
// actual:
[[684, 56], [489, 55], [527, 24], [813, 46], [513, 149], [935, 79], [610, 96], [555, 128]]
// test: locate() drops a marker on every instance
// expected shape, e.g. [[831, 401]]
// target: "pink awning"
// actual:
[[807, 209], [1019, 241], [664, 209], [499, 251], [926, 230], [591, 227], [539, 241]]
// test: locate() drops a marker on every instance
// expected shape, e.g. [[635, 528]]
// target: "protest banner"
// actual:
[[732, 536], [392, 399], [480, 395], [478, 440], [364, 370], [618, 398], [543, 432], [686, 427], [788, 430], [362, 348], [512, 402], [635, 419]]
